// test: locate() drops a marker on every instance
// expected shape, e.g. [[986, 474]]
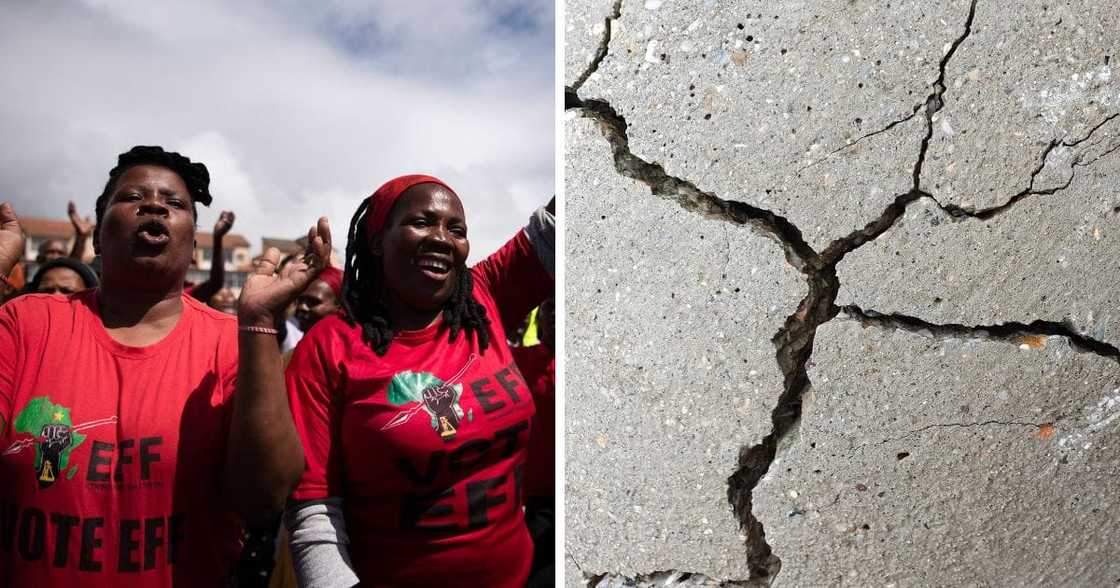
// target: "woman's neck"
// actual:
[[403, 317], [138, 317]]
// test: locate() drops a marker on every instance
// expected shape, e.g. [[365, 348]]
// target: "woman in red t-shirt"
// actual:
[[413, 415], [135, 422]]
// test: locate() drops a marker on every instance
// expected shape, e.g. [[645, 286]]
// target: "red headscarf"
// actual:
[[381, 202], [332, 277]]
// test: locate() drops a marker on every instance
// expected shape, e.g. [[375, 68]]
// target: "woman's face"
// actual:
[[316, 303], [148, 224], [60, 280], [423, 246]]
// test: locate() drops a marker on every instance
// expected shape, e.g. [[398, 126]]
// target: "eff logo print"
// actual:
[[49, 429], [434, 396]]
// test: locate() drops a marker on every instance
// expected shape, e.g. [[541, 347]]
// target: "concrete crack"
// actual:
[[673, 578], [850, 144], [773, 226], [1030, 190], [601, 51], [794, 341], [1017, 333], [970, 425], [936, 101]]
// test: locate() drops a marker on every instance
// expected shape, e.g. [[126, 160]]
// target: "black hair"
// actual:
[[362, 280], [88, 277], [194, 175]]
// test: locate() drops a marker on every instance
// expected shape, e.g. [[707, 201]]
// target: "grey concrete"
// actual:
[[585, 25], [762, 114], [982, 453], [669, 369], [1026, 75], [924, 461]]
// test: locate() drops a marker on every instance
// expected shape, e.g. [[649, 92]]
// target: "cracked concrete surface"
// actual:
[[664, 366], [753, 113], [832, 136], [1000, 472]]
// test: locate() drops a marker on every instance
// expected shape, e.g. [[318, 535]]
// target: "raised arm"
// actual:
[[206, 290], [83, 229], [264, 458], [11, 239]]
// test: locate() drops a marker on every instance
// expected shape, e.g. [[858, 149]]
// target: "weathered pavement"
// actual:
[[840, 293]]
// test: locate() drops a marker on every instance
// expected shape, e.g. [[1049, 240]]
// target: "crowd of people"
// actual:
[[384, 424]]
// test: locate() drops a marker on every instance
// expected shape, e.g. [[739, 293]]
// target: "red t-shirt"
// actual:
[[425, 445], [538, 365], [109, 454]]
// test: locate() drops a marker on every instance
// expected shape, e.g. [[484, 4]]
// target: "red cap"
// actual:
[[381, 202], [332, 277]]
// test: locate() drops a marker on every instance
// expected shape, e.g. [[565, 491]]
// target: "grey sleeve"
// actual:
[[542, 234], [319, 543]]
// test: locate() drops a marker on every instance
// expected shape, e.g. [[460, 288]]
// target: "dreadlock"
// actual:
[[194, 175], [361, 295]]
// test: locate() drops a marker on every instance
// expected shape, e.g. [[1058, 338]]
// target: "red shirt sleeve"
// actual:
[[515, 279], [9, 361], [314, 380]]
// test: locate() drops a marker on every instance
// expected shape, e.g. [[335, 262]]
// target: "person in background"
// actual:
[[217, 280], [63, 275], [224, 301], [287, 324], [12, 284], [538, 366], [320, 299], [50, 250], [83, 230]]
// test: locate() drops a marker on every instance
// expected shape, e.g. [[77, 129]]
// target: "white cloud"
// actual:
[[298, 111]]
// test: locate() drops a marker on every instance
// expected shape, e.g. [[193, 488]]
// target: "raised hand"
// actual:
[[266, 294], [224, 223], [83, 227], [11, 239]]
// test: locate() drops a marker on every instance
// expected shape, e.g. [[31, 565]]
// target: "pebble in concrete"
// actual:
[[670, 369], [953, 462]]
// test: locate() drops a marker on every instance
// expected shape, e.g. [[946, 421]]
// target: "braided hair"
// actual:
[[194, 175], [361, 295]]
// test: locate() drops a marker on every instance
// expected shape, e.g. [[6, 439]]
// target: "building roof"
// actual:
[[44, 227], [206, 240], [286, 246]]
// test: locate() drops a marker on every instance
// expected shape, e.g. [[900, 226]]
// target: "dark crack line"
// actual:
[[794, 341], [773, 226], [1088, 135], [601, 51], [1103, 154], [664, 578], [1015, 423], [936, 99], [575, 561], [966, 426], [849, 145], [1009, 332], [1030, 190]]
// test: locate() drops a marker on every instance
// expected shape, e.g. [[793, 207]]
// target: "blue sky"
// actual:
[[299, 109]]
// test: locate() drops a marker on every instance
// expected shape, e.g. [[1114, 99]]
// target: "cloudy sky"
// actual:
[[298, 108]]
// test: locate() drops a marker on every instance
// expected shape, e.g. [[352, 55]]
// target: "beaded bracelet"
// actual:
[[261, 330]]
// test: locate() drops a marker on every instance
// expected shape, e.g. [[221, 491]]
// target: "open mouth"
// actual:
[[153, 233], [435, 267]]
